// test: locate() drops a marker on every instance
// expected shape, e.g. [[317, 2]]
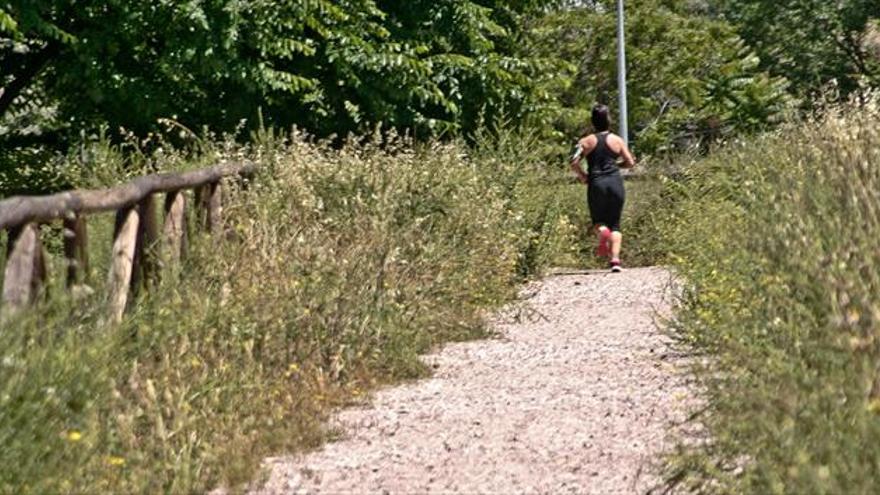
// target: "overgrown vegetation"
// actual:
[[813, 44], [691, 78], [349, 260], [700, 70], [776, 243], [330, 66], [345, 265]]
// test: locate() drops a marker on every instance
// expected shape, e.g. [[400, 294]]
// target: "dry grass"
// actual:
[[345, 265], [777, 239]]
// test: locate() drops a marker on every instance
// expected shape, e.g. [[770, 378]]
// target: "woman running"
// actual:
[[605, 194]]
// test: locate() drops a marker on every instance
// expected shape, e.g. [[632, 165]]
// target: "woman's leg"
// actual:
[[618, 198], [596, 198], [616, 241], [616, 244], [603, 236]]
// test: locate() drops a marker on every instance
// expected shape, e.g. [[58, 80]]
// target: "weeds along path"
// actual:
[[576, 395]]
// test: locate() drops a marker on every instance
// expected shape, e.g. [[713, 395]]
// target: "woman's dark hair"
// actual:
[[601, 121]]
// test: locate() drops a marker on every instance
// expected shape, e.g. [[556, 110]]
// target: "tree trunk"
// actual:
[[26, 75]]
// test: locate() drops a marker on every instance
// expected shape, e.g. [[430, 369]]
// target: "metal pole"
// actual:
[[621, 73]]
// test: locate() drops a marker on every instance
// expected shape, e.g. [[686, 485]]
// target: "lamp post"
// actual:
[[621, 72]]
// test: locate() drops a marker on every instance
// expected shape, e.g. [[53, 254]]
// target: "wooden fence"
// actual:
[[138, 241]]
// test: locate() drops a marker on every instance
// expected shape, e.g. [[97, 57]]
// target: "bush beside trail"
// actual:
[[775, 239], [344, 266]]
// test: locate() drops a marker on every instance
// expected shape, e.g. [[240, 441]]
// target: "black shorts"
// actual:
[[606, 196]]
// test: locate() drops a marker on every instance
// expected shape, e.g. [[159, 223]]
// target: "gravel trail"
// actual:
[[576, 395]]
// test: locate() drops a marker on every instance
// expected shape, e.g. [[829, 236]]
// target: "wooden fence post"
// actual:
[[174, 230], [145, 262], [123, 258], [138, 250], [200, 207], [209, 207], [215, 208], [76, 249], [25, 269]]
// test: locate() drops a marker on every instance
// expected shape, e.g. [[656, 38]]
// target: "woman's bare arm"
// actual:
[[629, 161], [583, 148]]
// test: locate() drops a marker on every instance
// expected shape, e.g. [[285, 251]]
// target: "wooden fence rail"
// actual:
[[138, 241]]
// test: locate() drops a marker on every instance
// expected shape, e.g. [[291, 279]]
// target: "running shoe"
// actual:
[[604, 248], [615, 266]]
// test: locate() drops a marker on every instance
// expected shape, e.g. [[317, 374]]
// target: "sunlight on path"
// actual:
[[576, 397]]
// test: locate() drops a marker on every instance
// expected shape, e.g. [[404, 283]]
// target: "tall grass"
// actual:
[[344, 265], [776, 240]]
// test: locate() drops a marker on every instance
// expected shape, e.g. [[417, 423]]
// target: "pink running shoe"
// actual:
[[604, 248], [615, 266]]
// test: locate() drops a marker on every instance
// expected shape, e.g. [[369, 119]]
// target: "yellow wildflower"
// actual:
[[115, 461], [74, 436], [853, 316]]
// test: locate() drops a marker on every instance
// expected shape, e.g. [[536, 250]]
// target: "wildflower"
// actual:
[[115, 460], [853, 316], [74, 436], [293, 368]]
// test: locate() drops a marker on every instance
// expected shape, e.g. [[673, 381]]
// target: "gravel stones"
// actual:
[[573, 396]]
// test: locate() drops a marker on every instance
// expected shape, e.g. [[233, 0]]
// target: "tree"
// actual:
[[332, 66], [811, 42], [690, 76]]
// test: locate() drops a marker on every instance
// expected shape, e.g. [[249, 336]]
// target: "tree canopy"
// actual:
[[331, 66], [699, 69], [690, 77], [812, 43]]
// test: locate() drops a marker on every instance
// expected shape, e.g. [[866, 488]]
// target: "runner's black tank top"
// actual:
[[602, 161]]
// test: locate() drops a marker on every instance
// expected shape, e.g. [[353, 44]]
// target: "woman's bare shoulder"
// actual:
[[615, 142], [588, 141]]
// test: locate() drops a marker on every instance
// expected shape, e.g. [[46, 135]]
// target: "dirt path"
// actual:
[[577, 400]]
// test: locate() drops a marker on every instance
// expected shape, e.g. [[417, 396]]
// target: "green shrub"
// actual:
[[343, 267], [775, 239]]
